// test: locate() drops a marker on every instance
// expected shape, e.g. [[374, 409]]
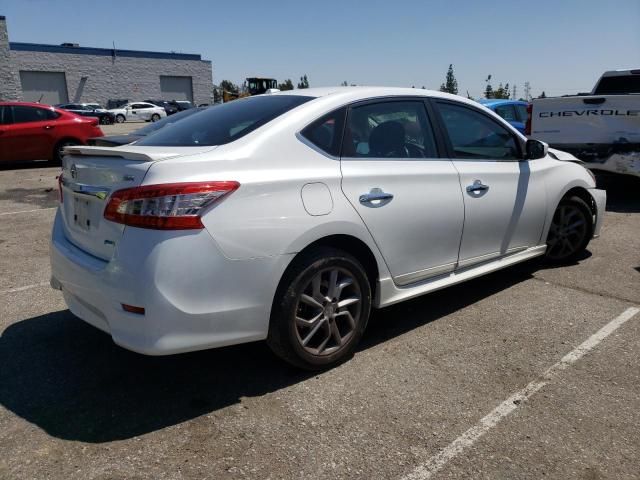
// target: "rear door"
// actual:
[[407, 195], [504, 195]]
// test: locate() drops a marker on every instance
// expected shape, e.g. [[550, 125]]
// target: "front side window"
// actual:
[[398, 129], [225, 123], [24, 114], [475, 135], [326, 132], [5, 115]]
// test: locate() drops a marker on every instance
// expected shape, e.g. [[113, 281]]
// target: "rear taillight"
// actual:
[[171, 206], [527, 125]]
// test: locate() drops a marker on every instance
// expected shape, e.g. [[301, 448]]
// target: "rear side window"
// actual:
[[326, 132], [24, 114], [619, 85], [394, 129], [224, 123], [474, 135], [522, 113], [507, 112]]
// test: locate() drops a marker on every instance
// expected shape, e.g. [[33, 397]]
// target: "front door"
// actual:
[[407, 195], [504, 196], [30, 135]]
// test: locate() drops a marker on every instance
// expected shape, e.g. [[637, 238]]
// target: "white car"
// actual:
[[287, 217], [137, 111]]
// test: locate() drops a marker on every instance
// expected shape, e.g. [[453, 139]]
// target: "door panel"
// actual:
[[506, 217], [504, 196], [30, 136], [409, 199]]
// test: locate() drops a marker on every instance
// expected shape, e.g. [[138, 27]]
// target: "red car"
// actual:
[[32, 131]]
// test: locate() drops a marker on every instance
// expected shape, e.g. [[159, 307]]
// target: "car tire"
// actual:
[[155, 117], [309, 328], [570, 231], [120, 118], [104, 120], [57, 150]]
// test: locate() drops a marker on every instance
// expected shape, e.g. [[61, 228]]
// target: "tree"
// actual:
[[502, 92], [286, 85], [344, 84], [488, 89], [217, 94], [229, 86], [304, 82], [543, 95], [451, 84]]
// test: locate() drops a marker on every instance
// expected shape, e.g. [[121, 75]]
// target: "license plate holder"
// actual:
[[82, 213]]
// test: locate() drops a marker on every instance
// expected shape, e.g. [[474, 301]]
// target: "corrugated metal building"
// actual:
[[71, 73]]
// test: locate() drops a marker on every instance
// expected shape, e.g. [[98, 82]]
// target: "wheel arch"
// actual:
[[348, 243]]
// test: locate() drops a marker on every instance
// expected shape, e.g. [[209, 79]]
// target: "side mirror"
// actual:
[[535, 149]]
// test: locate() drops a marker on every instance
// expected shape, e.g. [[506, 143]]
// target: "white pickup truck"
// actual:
[[601, 128]]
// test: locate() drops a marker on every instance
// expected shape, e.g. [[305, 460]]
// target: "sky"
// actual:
[[559, 46]]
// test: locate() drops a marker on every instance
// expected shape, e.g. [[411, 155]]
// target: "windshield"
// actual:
[[224, 123], [152, 127]]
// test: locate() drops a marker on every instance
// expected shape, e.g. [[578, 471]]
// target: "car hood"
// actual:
[[564, 156]]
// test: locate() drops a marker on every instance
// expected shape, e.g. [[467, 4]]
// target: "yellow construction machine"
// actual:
[[252, 86]]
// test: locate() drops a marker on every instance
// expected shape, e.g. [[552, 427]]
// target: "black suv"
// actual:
[[105, 118], [169, 107]]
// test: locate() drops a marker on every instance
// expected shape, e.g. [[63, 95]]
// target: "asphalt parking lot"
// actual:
[[455, 384]]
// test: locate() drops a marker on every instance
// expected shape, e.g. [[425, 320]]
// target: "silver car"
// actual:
[[287, 217]]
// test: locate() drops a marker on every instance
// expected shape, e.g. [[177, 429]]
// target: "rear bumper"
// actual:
[[194, 297], [600, 199]]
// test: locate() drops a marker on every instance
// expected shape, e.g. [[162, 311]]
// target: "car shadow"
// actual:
[[26, 165], [623, 192], [72, 381]]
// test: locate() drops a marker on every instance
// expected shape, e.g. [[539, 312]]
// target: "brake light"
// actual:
[[171, 206], [527, 125]]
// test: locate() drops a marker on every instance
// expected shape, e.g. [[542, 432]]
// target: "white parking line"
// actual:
[[26, 287], [27, 211], [468, 438]]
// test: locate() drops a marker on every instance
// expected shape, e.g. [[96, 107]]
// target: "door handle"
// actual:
[[477, 186], [48, 127], [375, 195]]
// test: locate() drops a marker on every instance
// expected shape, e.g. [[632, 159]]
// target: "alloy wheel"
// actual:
[[567, 232], [327, 311]]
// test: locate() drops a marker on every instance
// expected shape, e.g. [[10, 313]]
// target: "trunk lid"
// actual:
[[89, 176]]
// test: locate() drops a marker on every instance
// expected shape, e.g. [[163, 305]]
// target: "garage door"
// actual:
[[45, 87], [176, 88]]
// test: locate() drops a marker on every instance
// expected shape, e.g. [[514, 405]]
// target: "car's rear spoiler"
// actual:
[[132, 153]]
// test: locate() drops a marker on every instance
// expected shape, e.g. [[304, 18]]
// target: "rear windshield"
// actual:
[[153, 126], [619, 85], [224, 123]]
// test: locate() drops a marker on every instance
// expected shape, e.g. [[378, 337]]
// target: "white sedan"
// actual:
[[287, 217], [138, 111]]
